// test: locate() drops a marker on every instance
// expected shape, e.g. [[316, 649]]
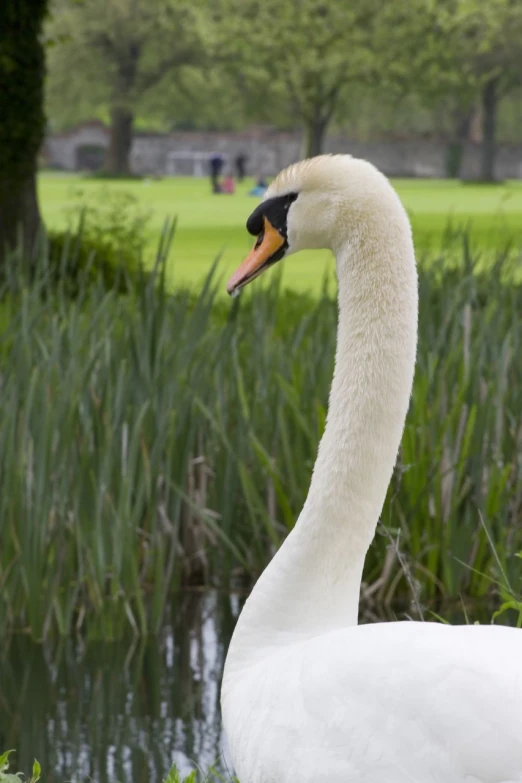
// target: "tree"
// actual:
[[417, 56], [492, 35], [456, 54], [119, 50], [22, 123], [302, 54]]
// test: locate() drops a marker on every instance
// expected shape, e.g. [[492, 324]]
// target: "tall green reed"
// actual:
[[157, 439]]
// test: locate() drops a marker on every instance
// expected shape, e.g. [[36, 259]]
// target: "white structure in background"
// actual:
[[188, 163]]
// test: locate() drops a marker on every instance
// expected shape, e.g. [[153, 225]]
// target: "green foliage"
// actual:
[[362, 58], [118, 50], [153, 440], [336, 37], [6, 777], [175, 777], [104, 244], [466, 44]]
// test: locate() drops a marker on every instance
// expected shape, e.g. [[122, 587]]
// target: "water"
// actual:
[[117, 712], [110, 712]]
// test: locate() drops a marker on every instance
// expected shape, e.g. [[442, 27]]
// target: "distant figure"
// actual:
[[241, 160], [217, 162], [260, 187], [228, 186]]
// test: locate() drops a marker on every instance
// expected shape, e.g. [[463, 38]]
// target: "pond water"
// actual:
[[108, 712], [111, 712]]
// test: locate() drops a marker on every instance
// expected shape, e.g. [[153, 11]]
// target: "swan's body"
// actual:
[[308, 695]]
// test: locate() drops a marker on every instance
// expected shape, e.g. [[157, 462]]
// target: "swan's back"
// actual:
[[384, 703]]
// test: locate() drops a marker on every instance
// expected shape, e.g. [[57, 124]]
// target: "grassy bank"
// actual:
[[209, 225], [151, 440]]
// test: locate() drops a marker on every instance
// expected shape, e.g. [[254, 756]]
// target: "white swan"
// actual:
[[308, 696]]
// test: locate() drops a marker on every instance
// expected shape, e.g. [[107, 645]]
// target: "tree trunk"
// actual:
[[22, 123], [19, 213], [455, 149], [489, 109], [315, 131], [121, 141], [122, 115]]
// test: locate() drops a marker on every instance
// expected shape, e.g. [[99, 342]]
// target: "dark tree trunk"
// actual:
[[455, 149], [489, 109], [122, 115], [315, 132], [121, 141], [22, 120]]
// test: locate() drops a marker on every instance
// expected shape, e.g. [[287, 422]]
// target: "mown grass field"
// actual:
[[210, 225]]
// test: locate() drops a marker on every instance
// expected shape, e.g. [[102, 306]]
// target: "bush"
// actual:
[[103, 244]]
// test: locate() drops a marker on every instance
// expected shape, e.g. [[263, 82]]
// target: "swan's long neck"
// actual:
[[313, 582]]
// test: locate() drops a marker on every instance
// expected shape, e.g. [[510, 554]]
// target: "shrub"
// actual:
[[103, 244]]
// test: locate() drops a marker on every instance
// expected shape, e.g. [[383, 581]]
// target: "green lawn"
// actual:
[[209, 225]]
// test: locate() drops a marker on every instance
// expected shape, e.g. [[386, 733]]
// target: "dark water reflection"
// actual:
[[116, 712], [110, 712]]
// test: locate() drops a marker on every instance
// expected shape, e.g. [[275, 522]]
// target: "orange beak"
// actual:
[[268, 245]]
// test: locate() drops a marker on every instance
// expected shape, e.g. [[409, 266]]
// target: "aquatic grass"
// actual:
[[7, 777], [173, 776], [159, 439]]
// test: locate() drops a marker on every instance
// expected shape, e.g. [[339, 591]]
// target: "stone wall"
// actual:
[[61, 150], [269, 151]]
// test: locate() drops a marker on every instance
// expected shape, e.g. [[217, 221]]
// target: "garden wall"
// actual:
[[268, 151]]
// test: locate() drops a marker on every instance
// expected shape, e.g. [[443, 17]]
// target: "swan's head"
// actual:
[[311, 204]]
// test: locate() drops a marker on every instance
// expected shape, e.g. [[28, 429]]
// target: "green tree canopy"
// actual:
[[455, 54], [297, 58], [110, 54], [426, 64]]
